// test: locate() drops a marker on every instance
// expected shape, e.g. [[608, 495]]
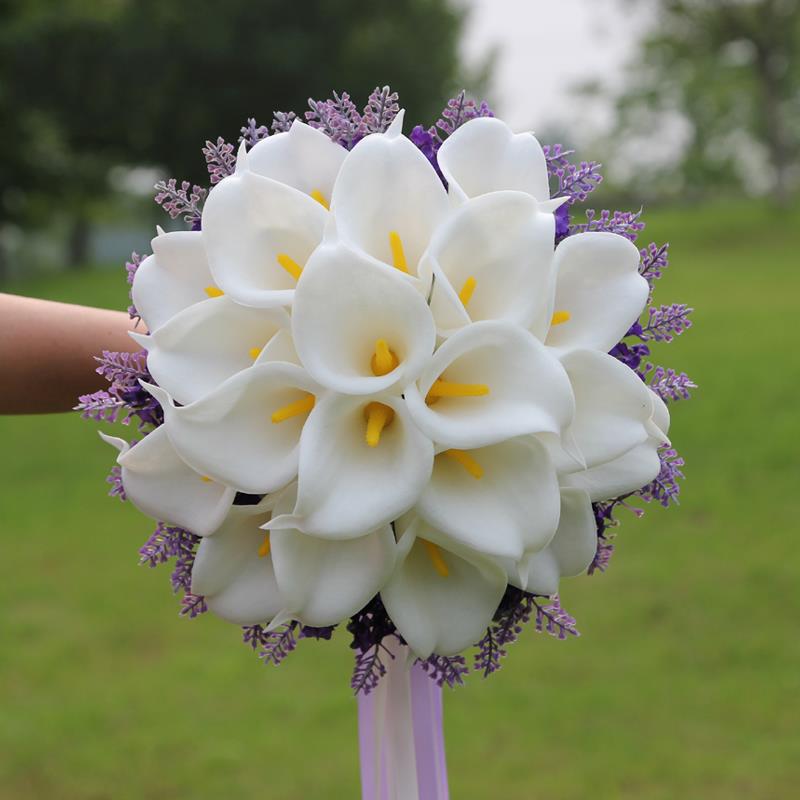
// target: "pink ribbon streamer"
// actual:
[[401, 737]]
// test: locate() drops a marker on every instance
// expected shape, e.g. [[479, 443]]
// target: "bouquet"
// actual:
[[393, 384]]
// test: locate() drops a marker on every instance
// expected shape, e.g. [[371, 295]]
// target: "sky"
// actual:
[[543, 48]]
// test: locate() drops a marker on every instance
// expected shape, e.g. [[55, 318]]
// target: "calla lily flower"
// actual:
[[490, 382], [362, 464], [599, 292], [613, 407], [360, 327], [500, 500], [569, 553], [441, 596], [161, 485], [175, 277], [233, 569], [387, 200], [492, 260], [258, 234], [323, 581], [484, 155], [207, 343], [246, 433], [630, 471], [303, 158]]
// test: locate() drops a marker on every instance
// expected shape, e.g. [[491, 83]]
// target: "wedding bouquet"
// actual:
[[392, 384]]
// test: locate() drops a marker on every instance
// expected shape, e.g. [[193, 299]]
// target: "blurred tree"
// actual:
[[731, 70], [86, 84]]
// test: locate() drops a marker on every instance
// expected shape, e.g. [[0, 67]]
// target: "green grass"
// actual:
[[684, 683]]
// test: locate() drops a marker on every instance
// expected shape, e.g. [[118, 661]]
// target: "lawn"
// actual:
[[684, 682]]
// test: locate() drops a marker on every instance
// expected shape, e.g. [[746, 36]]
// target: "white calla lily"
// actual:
[[233, 569], [599, 292], [491, 260], [441, 597], [303, 158], [613, 406], [358, 326], [502, 500], [258, 234], [388, 199], [175, 277], [245, 433], [323, 581], [363, 463], [569, 553], [489, 382], [630, 471], [485, 155], [161, 485], [206, 344]]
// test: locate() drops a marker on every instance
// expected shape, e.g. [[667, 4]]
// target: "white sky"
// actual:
[[544, 47]]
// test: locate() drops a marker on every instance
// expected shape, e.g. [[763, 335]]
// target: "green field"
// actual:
[[685, 683]]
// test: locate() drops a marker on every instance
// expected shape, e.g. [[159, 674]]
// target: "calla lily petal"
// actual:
[[441, 599], [238, 584], [613, 407], [388, 198], [502, 500], [485, 155], [229, 435], [175, 277], [303, 158], [206, 344], [258, 234], [344, 305], [528, 390], [324, 581], [628, 472], [572, 549], [346, 487], [599, 291], [495, 253], [164, 487]]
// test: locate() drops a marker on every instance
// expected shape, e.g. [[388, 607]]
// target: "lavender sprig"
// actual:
[[282, 121], [655, 259], [272, 646], [338, 118], [668, 384], [251, 134], [186, 201], [665, 487], [381, 108], [574, 181], [442, 670], [624, 223], [554, 619], [131, 267], [666, 322], [512, 614], [220, 158], [100, 406]]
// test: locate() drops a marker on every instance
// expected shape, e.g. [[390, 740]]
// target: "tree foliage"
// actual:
[[85, 84], [723, 76]]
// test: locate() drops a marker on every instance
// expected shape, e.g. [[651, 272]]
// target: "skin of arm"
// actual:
[[47, 352]]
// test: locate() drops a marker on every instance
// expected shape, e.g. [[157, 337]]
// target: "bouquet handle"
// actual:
[[401, 736]]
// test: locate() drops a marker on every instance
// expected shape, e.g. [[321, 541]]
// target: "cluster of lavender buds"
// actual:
[[343, 122]]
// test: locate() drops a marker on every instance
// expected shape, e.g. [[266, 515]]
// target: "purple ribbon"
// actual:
[[401, 737]]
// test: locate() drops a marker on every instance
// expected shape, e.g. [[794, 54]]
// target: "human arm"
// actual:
[[47, 352]]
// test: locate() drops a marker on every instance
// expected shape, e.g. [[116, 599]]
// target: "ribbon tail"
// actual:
[[401, 737]]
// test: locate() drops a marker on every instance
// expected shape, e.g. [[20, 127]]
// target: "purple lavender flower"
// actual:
[[220, 158], [282, 121], [666, 322], [381, 108], [625, 223], [186, 201], [131, 266], [251, 134]]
